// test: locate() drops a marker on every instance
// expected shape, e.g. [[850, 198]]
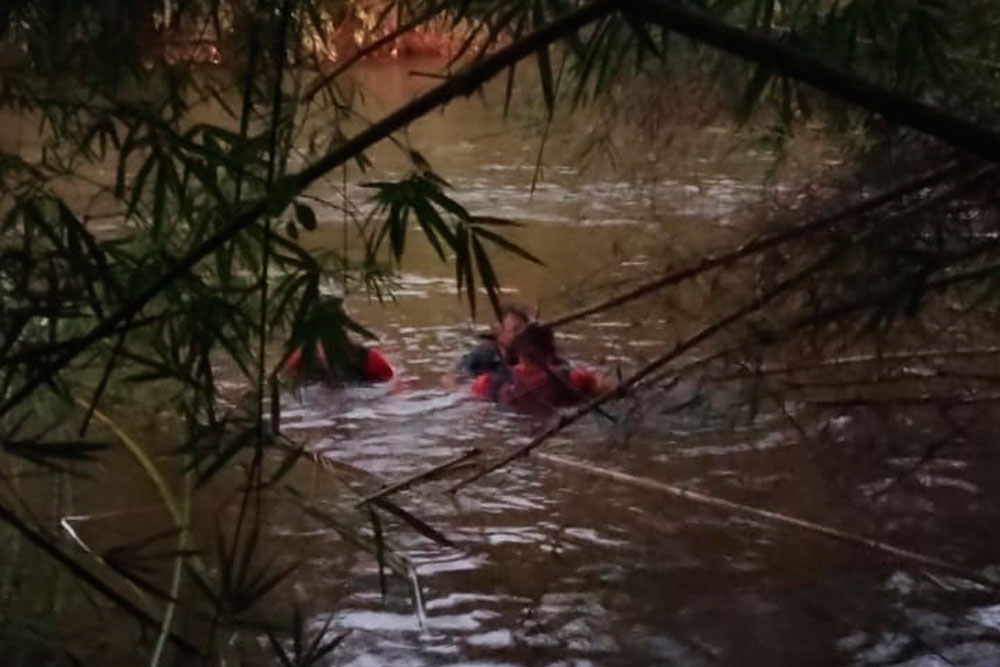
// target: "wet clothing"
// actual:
[[369, 365], [534, 388], [484, 358], [490, 385]]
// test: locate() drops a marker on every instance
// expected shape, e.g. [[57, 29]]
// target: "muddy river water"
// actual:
[[551, 567]]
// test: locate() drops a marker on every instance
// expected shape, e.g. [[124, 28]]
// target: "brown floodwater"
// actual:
[[553, 568]]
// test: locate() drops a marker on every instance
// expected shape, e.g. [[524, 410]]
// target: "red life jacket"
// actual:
[[532, 388], [372, 366], [377, 367]]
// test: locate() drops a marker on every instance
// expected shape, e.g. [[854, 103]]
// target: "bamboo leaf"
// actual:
[[545, 73], [751, 94], [487, 275], [507, 245], [305, 217], [645, 39], [544, 63], [434, 226]]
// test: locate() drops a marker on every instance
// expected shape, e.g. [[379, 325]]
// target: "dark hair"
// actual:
[[523, 313], [535, 343]]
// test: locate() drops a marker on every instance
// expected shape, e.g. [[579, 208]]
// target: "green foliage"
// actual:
[[144, 250], [200, 256], [305, 653], [447, 226]]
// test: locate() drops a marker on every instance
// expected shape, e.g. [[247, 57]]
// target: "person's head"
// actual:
[[513, 320], [535, 345]]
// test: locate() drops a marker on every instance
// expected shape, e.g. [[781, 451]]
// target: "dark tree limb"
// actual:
[[462, 84], [895, 108]]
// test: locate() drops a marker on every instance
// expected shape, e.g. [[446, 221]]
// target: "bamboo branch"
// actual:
[[774, 517], [905, 377], [835, 312], [336, 468], [906, 401], [463, 83], [895, 108], [762, 243], [860, 359], [719, 325], [419, 477]]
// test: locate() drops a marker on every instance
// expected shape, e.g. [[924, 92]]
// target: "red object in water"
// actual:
[[293, 363], [530, 386], [481, 387], [584, 382], [376, 367]]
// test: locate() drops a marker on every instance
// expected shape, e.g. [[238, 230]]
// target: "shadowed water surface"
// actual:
[[553, 568]]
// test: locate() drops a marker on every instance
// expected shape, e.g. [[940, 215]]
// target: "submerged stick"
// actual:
[[857, 360], [419, 477], [773, 517]]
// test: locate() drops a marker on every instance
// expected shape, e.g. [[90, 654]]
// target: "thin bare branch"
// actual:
[[762, 243], [884, 548], [860, 360], [899, 109], [420, 477]]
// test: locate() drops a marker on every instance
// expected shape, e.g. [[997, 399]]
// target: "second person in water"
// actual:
[[531, 376], [494, 354], [358, 364], [518, 368]]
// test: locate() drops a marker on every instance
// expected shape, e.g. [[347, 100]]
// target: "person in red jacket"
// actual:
[[361, 364], [540, 380]]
